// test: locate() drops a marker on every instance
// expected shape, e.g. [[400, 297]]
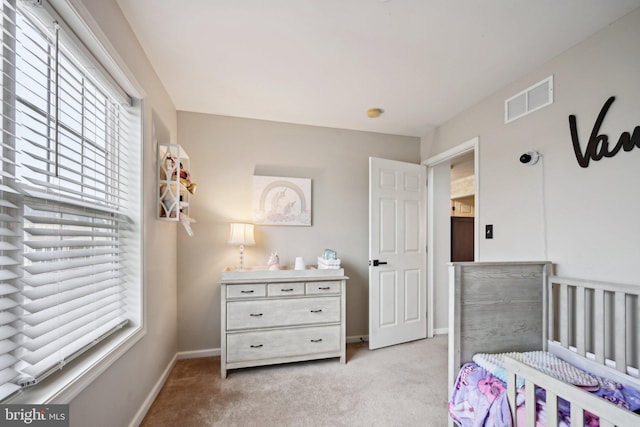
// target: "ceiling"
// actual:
[[325, 62]]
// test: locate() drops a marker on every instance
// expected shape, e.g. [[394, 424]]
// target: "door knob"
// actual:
[[376, 262]]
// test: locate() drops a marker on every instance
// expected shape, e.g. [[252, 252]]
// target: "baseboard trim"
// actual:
[[196, 354], [441, 331], [357, 338], [137, 420]]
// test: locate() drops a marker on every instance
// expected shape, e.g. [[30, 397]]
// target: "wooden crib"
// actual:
[[520, 306]]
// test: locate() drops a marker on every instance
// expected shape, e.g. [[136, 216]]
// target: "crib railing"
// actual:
[[596, 320], [580, 400]]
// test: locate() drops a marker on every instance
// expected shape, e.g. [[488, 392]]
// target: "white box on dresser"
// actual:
[[270, 317]]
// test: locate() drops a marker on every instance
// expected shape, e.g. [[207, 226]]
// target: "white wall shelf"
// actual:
[[173, 182]]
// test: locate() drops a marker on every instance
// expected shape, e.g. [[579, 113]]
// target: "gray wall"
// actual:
[[115, 397], [225, 153], [588, 217]]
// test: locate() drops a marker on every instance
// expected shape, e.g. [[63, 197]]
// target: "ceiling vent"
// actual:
[[529, 100]]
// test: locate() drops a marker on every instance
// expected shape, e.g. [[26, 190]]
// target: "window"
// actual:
[[69, 205]]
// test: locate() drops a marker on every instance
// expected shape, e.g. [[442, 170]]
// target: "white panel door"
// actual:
[[397, 252]]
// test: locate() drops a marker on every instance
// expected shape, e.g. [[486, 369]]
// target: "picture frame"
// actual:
[[281, 201]]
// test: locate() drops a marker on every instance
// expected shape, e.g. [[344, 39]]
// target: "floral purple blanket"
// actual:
[[480, 400]]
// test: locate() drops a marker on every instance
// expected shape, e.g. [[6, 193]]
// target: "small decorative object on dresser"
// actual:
[[299, 264], [270, 317], [274, 261], [328, 260]]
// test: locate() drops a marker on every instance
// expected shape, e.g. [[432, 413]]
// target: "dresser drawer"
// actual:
[[318, 288], [246, 346], [246, 291], [282, 312], [285, 289]]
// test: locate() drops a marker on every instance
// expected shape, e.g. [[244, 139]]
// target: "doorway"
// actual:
[[439, 229], [462, 208]]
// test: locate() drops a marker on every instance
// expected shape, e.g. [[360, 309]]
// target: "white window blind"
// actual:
[[65, 210]]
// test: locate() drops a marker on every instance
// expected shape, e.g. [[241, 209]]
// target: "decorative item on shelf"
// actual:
[[186, 223], [328, 260], [174, 185], [241, 234], [185, 179], [185, 175], [274, 261]]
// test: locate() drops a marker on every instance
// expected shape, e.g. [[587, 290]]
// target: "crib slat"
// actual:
[[636, 331], [621, 332], [578, 399], [551, 322], [605, 423], [577, 415], [598, 321], [552, 410], [580, 321], [511, 395], [564, 315], [530, 406]]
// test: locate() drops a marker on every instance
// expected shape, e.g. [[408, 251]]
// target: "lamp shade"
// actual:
[[241, 234]]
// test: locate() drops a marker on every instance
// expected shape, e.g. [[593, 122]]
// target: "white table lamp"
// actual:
[[241, 234]]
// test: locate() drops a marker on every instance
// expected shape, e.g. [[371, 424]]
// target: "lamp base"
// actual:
[[241, 257]]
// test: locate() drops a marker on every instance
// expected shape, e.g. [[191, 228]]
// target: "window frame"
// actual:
[[63, 386]]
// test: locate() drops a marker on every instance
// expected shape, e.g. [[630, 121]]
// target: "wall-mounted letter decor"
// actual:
[[598, 145]]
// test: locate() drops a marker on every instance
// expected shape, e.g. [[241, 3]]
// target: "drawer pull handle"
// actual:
[[255, 346], [318, 340], [247, 292], [255, 314], [317, 311], [287, 290], [325, 288]]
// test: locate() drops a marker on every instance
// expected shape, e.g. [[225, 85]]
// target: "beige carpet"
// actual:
[[403, 385]]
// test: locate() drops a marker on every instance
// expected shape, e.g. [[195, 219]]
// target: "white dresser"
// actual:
[[281, 316]]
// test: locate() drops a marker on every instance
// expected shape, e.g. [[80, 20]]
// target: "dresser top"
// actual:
[[285, 275]]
